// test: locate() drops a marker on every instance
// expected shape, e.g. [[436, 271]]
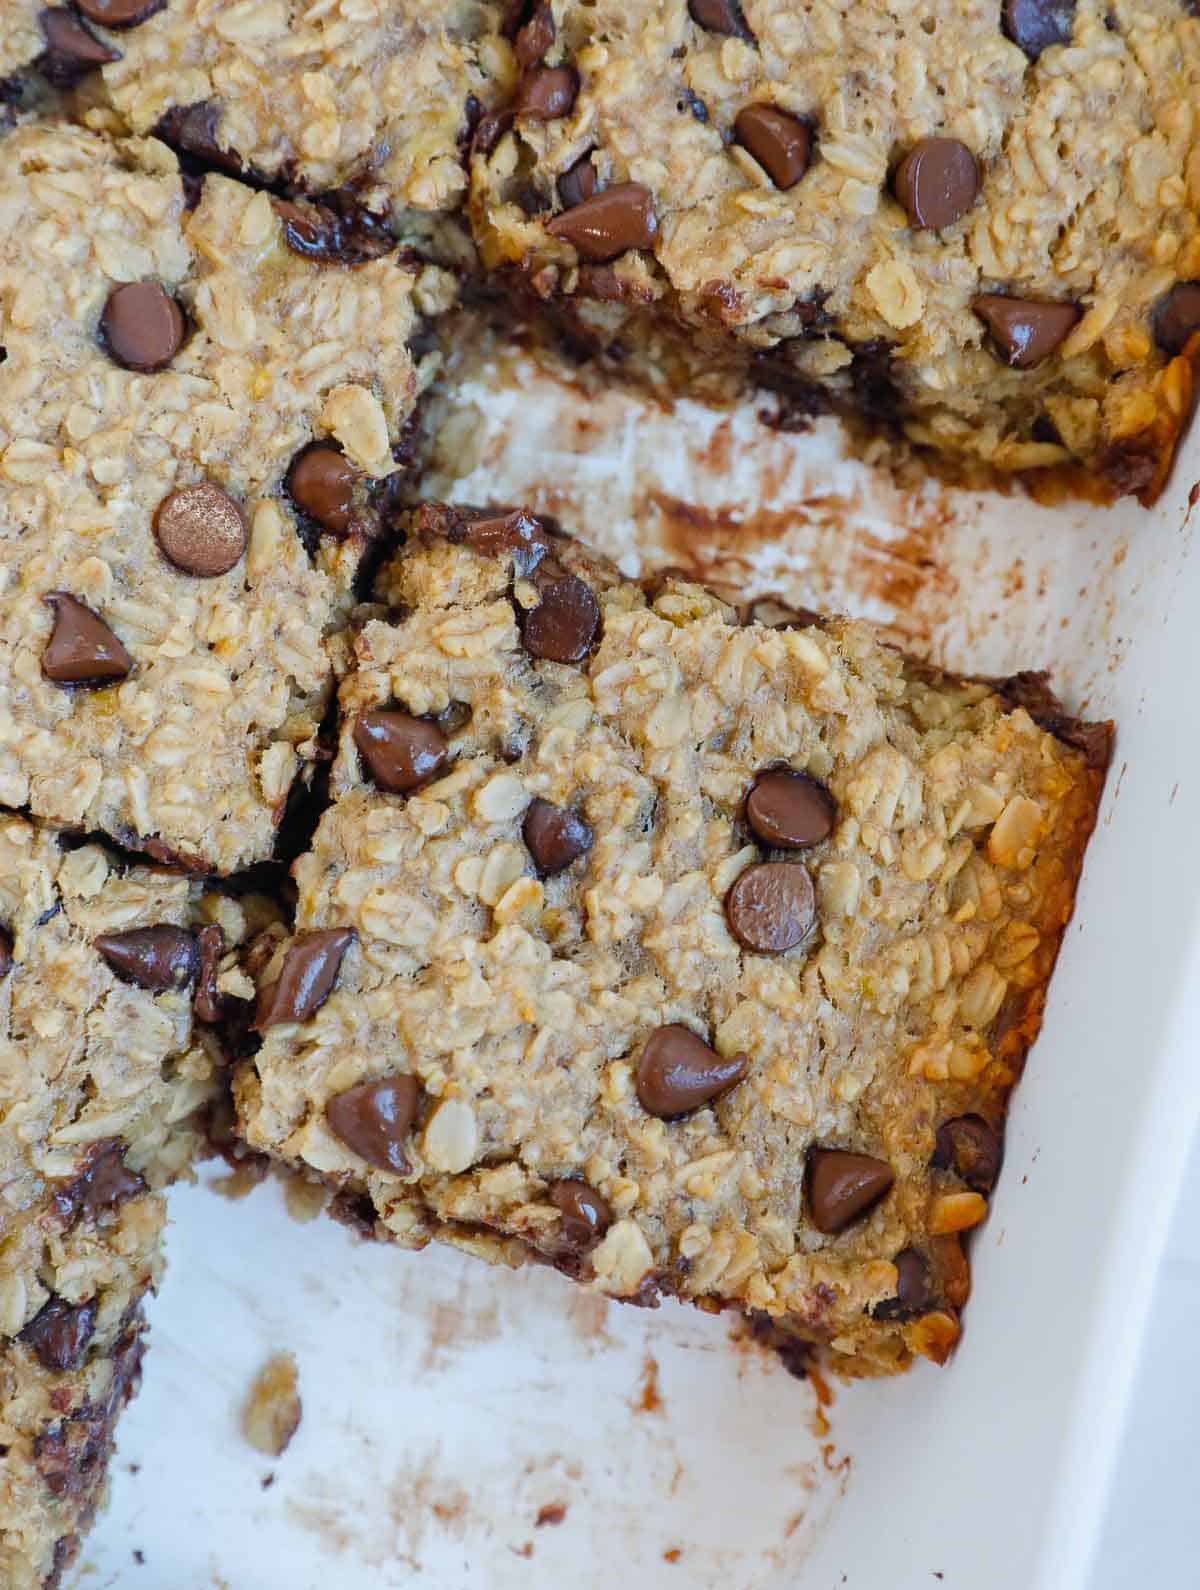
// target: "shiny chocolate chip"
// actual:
[[208, 1002], [913, 1294], [142, 326], [118, 13], [609, 223], [400, 752], [547, 93], [554, 837], [790, 810], [306, 979], [578, 182], [156, 958], [6, 952], [82, 650], [104, 1182], [536, 37], [201, 530], [970, 1148], [563, 626], [780, 143], [71, 47], [1034, 25], [937, 182], [843, 1186], [60, 1332], [518, 533], [374, 1120], [321, 484], [327, 237], [1025, 330], [771, 907], [678, 1072], [586, 1216], [1177, 317], [720, 16]]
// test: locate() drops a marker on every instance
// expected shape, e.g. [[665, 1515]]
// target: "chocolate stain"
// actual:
[[455, 1327], [648, 1399]]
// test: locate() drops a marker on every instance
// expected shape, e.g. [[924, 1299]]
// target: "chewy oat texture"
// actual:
[[163, 622], [692, 957], [979, 220], [103, 1070]]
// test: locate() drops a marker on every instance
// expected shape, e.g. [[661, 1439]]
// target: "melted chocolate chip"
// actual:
[[536, 37], [586, 1216], [913, 1295], [678, 1072], [400, 752], [6, 952], [970, 1148], [374, 1120], [790, 810], [142, 326], [578, 182], [103, 1183], [1026, 331], [321, 484], [1034, 25], [71, 47], [208, 1002], [547, 93], [306, 979], [771, 907], [192, 130], [60, 1332], [554, 837], [155, 958], [843, 1186], [82, 650], [118, 13], [780, 143], [563, 626], [1177, 317], [937, 182], [609, 223], [720, 16], [319, 233], [200, 530], [518, 533]]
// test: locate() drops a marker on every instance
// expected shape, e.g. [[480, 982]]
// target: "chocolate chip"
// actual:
[[321, 484], [518, 533], [208, 1002], [609, 223], [913, 1294], [71, 47], [374, 1119], [771, 907], [842, 1186], [1177, 317], [60, 1332], [192, 130], [156, 958], [547, 93], [937, 182], [554, 837], [780, 143], [586, 1216], [82, 650], [319, 233], [306, 978], [400, 752], [720, 16], [1025, 330], [104, 1182], [536, 37], [1034, 25], [789, 809], [6, 952], [142, 326], [578, 182], [563, 626], [119, 13], [678, 1072], [201, 530], [970, 1148]]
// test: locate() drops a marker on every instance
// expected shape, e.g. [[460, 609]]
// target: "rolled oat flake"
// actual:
[[200, 530]]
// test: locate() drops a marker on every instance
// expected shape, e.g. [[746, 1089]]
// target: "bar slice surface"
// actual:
[[693, 957]]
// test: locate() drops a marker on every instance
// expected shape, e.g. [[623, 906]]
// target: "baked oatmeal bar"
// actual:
[[977, 221], [198, 412], [692, 957], [104, 970]]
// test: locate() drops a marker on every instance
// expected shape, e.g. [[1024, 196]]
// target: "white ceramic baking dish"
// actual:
[[446, 1406]]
